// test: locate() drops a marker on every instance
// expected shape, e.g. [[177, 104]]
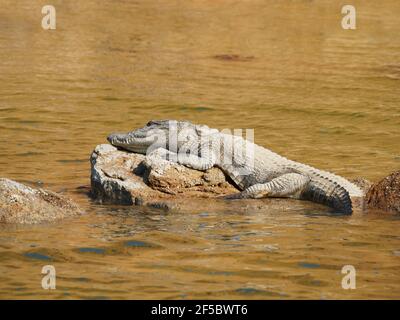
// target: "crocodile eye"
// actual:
[[155, 122]]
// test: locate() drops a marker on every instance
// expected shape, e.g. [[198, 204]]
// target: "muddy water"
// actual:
[[312, 91]]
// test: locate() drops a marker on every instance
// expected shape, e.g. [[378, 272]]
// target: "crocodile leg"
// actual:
[[159, 159], [289, 185], [161, 153], [195, 162], [196, 156], [206, 161]]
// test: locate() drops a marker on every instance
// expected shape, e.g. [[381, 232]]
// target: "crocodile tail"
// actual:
[[330, 193]]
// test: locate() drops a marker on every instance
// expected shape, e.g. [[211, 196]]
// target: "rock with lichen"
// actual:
[[21, 204]]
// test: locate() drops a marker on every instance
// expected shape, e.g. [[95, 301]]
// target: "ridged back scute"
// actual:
[[328, 192]]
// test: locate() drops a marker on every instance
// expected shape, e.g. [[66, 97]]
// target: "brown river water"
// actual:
[[311, 90]]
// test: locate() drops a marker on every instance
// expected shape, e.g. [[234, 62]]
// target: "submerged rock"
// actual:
[[121, 177], [385, 194], [25, 205]]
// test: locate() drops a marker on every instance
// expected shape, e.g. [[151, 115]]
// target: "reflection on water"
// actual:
[[311, 90]]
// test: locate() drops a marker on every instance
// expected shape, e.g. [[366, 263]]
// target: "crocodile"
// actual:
[[256, 171]]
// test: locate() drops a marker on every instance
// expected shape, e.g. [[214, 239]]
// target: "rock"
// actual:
[[25, 205], [121, 177], [385, 194]]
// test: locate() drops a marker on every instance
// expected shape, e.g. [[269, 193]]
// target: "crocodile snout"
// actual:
[[116, 137]]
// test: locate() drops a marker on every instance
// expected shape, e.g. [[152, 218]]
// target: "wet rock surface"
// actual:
[[20, 204], [385, 194]]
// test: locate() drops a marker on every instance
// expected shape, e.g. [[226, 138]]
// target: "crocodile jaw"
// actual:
[[129, 141], [157, 133]]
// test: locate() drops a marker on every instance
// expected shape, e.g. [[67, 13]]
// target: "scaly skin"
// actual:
[[266, 174]]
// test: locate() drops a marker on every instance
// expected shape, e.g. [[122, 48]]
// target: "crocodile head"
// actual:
[[168, 134]]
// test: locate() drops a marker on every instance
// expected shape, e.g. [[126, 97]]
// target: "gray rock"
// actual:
[[21, 204]]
